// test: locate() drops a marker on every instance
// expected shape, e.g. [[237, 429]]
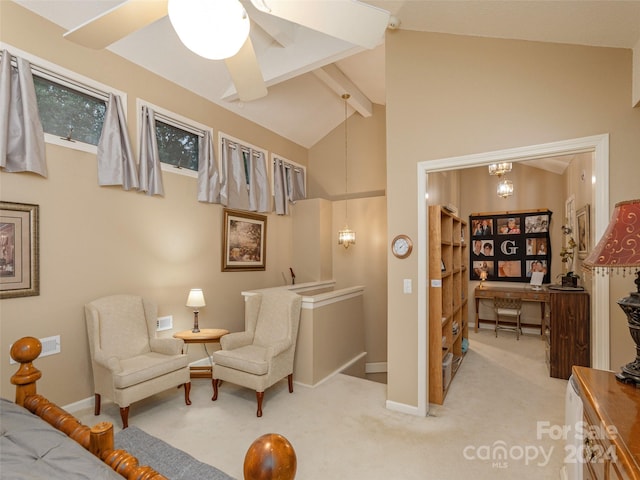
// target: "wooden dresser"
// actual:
[[568, 334], [611, 450]]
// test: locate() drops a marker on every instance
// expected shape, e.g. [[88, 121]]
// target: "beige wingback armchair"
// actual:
[[262, 354], [129, 362]]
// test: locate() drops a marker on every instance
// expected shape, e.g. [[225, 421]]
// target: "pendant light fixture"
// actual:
[[500, 169], [346, 236], [505, 186]]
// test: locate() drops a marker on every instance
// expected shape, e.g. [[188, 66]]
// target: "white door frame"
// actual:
[[599, 146]]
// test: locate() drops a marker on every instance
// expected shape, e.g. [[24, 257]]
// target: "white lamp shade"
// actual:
[[212, 29], [196, 298]]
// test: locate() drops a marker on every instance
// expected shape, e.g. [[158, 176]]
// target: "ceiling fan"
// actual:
[[349, 20]]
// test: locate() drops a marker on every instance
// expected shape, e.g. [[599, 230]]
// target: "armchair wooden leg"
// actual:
[[290, 380], [96, 404], [214, 381], [124, 415], [259, 397], [187, 390]]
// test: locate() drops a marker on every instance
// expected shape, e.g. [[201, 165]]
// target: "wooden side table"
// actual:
[[204, 336]]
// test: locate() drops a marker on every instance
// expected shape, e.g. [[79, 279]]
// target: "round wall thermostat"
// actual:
[[401, 246]]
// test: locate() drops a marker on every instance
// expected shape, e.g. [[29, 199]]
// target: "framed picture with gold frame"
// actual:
[[244, 241], [582, 223], [19, 250]]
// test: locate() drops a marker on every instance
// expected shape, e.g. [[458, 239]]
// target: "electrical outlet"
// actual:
[[164, 323]]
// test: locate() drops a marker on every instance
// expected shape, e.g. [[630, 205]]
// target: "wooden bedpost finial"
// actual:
[[270, 457], [25, 351]]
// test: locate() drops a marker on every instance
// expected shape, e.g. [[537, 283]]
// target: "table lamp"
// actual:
[[619, 249], [483, 277], [195, 300]]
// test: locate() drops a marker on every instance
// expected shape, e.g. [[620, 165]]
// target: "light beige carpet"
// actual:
[[487, 428]]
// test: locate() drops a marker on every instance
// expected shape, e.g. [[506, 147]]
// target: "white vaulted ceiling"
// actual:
[[300, 105]]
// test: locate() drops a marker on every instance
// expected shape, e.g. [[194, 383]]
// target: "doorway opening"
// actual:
[[598, 145]]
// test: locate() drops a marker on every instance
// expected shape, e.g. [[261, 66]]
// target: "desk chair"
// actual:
[[510, 308]]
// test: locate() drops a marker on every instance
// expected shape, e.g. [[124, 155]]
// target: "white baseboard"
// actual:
[[402, 408], [375, 367], [335, 372], [79, 405]]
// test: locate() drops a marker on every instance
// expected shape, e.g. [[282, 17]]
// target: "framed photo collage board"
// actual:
[[509, 246]]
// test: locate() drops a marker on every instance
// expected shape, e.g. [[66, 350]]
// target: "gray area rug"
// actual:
[[165, 459]]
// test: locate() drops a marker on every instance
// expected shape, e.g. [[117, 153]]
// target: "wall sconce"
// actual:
[[195, 300]]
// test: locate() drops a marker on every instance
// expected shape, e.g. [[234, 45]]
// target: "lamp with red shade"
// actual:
[[619, 250]]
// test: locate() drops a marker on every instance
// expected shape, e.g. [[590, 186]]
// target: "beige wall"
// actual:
[[365, 211], [636, 75], [157, 247], [451, 95], [447, 96], [99, 241]]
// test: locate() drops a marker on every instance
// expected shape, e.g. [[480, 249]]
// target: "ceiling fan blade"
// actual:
[[246, 74], [118, 22], [349, 20]]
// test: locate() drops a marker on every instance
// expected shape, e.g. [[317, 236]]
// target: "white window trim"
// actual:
[[175, 120], [73, 80], [244, 143], [275, 157]]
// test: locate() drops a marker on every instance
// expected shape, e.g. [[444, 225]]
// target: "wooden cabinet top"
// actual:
[[617, 405], [523, 292]]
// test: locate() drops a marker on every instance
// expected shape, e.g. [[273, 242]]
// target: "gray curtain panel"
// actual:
[[208, 174], [116, 163], [288, 185], [258, 183], [234, 192], [150, 175], [280, 188], [297, 190], [21, 135]]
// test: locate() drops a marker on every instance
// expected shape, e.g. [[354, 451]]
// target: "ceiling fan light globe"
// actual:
[[212, 29]]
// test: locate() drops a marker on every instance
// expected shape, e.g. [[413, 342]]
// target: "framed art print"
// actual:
[[19, 250], [582, 222], [244, 241]]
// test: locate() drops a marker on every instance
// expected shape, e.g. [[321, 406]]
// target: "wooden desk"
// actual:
[[526, 293], [204, 336], [612, 416]]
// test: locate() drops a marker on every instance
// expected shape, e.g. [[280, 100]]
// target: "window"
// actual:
[[295, 179], [71, 107], [68, 113], [289, 183], [178, 140], [244, 172], [177, 147]]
